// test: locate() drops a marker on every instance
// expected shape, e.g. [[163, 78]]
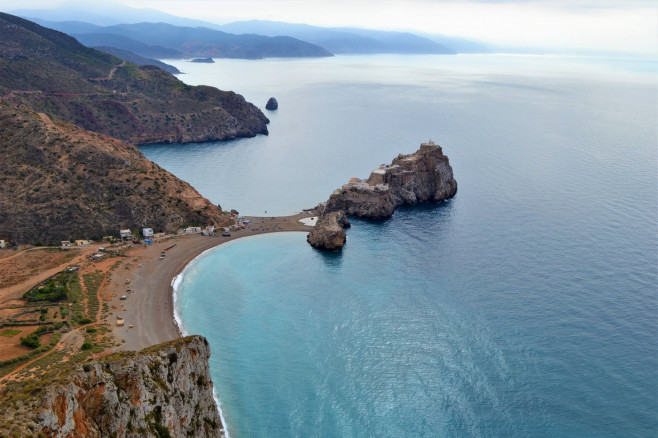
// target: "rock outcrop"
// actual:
[[272, 104], [424, 176], [329, 231], [163, 390]]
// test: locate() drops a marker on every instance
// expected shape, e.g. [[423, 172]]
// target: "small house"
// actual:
[[190, 230], [66, 244], [147, 233], [82, 242], [125, 234], [3, 243]]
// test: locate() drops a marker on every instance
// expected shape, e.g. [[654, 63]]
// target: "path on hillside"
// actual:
[[111, 74]]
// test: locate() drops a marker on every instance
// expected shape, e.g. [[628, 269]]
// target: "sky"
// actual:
[[561, 25]]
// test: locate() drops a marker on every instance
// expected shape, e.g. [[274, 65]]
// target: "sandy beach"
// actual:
[[149, 303]]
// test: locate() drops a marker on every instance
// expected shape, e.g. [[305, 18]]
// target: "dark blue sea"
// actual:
[[526, 306]]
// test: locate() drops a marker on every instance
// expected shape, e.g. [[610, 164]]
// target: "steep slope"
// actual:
[[60, 182], [53, 73], [164, 390]]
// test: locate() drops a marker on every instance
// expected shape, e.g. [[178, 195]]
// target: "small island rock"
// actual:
[[272, 104], [204, 60], [329, 231]]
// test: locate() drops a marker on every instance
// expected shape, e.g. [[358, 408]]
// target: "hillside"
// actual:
[[53, 73], [60, 182], [139, 60]]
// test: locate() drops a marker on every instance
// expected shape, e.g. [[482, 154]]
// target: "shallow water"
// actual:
[[525, 306]]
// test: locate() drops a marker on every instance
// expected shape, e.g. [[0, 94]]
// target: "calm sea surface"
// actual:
[[526, 306]]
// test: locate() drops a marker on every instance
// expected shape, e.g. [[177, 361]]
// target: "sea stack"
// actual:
[[329, 232], [424, 176], [272, 104]]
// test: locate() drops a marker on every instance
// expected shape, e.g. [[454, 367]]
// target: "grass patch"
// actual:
[[9, 333]]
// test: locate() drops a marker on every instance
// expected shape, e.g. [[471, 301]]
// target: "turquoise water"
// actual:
[[525, 306]]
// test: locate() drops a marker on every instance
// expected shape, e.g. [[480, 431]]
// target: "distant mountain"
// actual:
[[162, 40], [128, 44], [139, 60], [104, 14], [53, 73], [344, 40], [459, 45], [205, 42]]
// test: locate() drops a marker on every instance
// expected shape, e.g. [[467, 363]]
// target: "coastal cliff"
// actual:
[[162, 391], [424, 176]]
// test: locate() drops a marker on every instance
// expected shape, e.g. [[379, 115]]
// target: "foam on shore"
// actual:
[[175, 284]]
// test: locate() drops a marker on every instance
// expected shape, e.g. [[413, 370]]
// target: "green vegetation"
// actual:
[[54, 289], [86, 346], [93, 282], [31, 340], [10, 333]]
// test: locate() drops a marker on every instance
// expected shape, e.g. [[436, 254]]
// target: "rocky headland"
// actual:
[[165, 390], [424, 176]]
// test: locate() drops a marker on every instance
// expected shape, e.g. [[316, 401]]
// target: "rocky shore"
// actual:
[[165, 390], [424, 176]]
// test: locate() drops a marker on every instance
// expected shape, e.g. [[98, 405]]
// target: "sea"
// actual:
[[526, 306]]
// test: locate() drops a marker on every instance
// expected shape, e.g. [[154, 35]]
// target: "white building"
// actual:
[[125, 234], [147, 233]]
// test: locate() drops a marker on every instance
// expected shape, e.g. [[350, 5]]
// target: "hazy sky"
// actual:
[[617, 25]]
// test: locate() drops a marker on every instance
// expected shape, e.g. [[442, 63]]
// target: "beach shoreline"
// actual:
[[145, 279]]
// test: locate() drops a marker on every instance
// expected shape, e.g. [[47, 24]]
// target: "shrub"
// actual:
[[31, 340], [86, 346]]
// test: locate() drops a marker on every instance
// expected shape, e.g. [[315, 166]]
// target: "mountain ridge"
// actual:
[[53, 73]]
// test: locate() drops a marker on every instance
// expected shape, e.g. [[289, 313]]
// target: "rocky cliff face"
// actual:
[[424, 176], [329, 231], [163, 391]]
